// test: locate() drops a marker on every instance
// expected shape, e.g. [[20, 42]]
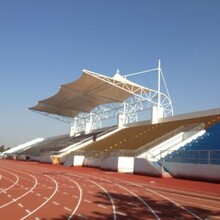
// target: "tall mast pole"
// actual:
[[159, 70]]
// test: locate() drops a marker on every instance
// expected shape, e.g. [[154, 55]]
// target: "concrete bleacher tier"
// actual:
[[132, 138], [47, 145], [57, 143]]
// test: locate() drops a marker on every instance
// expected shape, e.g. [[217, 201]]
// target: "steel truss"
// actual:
[[141, 99]]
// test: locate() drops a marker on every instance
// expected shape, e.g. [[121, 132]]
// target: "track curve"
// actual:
[[54, 192]]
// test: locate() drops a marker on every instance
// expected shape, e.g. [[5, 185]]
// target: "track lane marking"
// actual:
[[109, 196], [28, 211], [121, 213], [67, 209], [56, 203], [139, 198], [55, 190], [16, 199], [141, 186], [175, 203], [20, 205], [102, 206], [80, 196], [82, 216], [88, 201], [17, 179]]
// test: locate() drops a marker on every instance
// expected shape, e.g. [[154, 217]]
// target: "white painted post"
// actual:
[[159, 72]]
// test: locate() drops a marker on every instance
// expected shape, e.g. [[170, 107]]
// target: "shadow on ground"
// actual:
[[135, 209]]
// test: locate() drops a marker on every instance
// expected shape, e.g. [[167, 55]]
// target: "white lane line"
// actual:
[[28, 211], [80, 196], [175, 203], [148, 206], [147, 193], [67, 209], [121, 213], [88, 201], [14, 200], [218, 217], [17, 179], [42, 204], [193, 203], [112, 202], [76, 197], [19, 204], [38, 194], [56, 203], [37, 218], [102, 206], [65, 193], [82, 216]]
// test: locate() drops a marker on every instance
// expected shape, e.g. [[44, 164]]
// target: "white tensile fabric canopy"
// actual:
[[88, 92]]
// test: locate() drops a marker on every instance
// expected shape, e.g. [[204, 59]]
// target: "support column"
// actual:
[[73, 128], [122, 117], [89, 124], [157, 113]]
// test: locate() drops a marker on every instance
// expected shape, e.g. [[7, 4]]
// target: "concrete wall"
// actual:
[[45, 159], [110, 163], [215, 111], [120, 164], [131, 165], [194, 171], [126, 164], [69, 161], [78, 160], [142, 166], [35, 158], [88, 162]]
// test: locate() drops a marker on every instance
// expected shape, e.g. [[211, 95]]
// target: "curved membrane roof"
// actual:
[[86, 93]]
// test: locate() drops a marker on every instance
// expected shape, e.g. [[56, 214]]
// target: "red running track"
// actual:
[[31, 190]]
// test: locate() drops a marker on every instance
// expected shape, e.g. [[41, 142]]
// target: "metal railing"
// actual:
[[193, 156], [184, 128], [133, 153]]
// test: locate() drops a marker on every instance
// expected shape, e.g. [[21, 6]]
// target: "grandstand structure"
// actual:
[[93, 98], [144, 138]]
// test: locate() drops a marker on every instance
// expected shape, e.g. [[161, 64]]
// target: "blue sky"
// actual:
[[45, 43]]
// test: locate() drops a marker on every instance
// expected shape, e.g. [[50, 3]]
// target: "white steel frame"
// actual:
[[139, 101]]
